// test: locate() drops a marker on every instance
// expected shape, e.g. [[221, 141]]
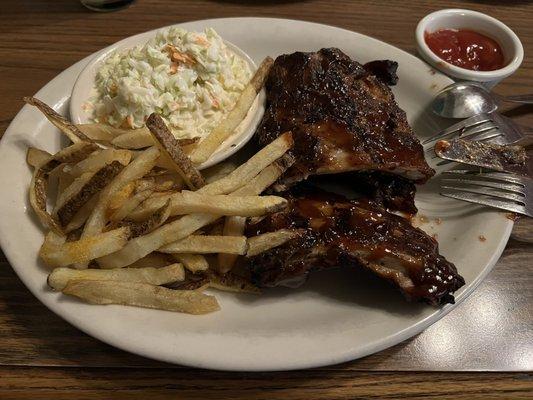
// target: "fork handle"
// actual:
[[521, 98]]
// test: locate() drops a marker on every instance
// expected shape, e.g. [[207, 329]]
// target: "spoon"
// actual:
[[465, 99]]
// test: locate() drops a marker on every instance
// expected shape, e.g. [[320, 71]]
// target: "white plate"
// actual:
[[337, 316], [84, 89]]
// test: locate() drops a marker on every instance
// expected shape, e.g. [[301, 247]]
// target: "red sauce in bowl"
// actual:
[[466, 49]]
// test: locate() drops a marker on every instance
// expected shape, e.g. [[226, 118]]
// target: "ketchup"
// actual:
[[466, 49]]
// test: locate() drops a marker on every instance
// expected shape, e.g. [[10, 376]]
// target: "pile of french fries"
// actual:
[[133, 222]]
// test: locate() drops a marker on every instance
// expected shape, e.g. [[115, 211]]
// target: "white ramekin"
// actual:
[[476, 21]]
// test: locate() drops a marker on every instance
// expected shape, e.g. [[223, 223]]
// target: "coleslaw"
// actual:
[[191, 79]]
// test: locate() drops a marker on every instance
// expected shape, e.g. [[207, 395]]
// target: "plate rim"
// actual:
[[347, 355]]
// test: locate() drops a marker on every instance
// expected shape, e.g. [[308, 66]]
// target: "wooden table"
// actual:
[[41, 356]]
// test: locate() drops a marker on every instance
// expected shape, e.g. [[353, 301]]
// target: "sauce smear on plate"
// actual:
[[466, 49]]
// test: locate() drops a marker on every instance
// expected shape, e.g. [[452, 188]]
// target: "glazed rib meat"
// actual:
[[339, 232], [343, 117], [389, 191]]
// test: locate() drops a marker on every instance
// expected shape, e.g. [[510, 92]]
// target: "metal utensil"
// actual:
[[492, 128], [465, 99], [485, 155], [494, 189]]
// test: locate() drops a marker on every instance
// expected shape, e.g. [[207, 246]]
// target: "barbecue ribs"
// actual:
[[342, 115], [338, 232]]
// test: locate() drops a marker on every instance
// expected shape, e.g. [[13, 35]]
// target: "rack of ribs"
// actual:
[[352, 233], [343, 117]]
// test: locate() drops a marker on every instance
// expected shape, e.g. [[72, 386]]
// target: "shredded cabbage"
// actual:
[[190, 78]]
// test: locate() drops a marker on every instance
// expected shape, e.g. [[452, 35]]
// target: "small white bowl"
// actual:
[[84, 89], [466, 19]]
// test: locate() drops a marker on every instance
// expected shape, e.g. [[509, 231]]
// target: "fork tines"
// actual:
[[495, 189], [477, 124]]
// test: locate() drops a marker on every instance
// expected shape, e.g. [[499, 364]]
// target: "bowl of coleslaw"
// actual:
[[191, 79]]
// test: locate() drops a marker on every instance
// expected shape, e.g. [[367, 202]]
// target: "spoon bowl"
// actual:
[[463, 100]]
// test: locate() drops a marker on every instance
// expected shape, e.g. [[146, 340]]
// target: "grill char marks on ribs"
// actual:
[[342, 115], [349, 233], [345, 121]]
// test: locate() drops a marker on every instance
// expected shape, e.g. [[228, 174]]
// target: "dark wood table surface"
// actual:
[[482, 349]]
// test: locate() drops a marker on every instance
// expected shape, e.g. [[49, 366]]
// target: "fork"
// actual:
[[492, 128], [495, 189]]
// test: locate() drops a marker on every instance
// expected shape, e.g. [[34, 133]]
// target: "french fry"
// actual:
[[234, 225], [154, 222], [64, 180], [165, 163], [251, 168], [82, 215], [199, 244], [75, 152], [129, 205], [101, 132], [37, 157], [133, 139], [147, 207], [164, 186], [99, 160], [185, 142], [60, 277], [166, 195], [57, 254], [142, 295], [141, 138], [254, 187], [228, 125], [193, 262], [261, 243], [136, 169], [143, 245], [187, 148], [168, 181], [65, 126], [119, 198], [83, 189], [155, 260], [249, 175], [218, 171], [39, 182], [37, 194], [187, 202], [70, 190], [71, 154], [144, 184], [170, 148], [265, 178], [183, 227], [232, 283]]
